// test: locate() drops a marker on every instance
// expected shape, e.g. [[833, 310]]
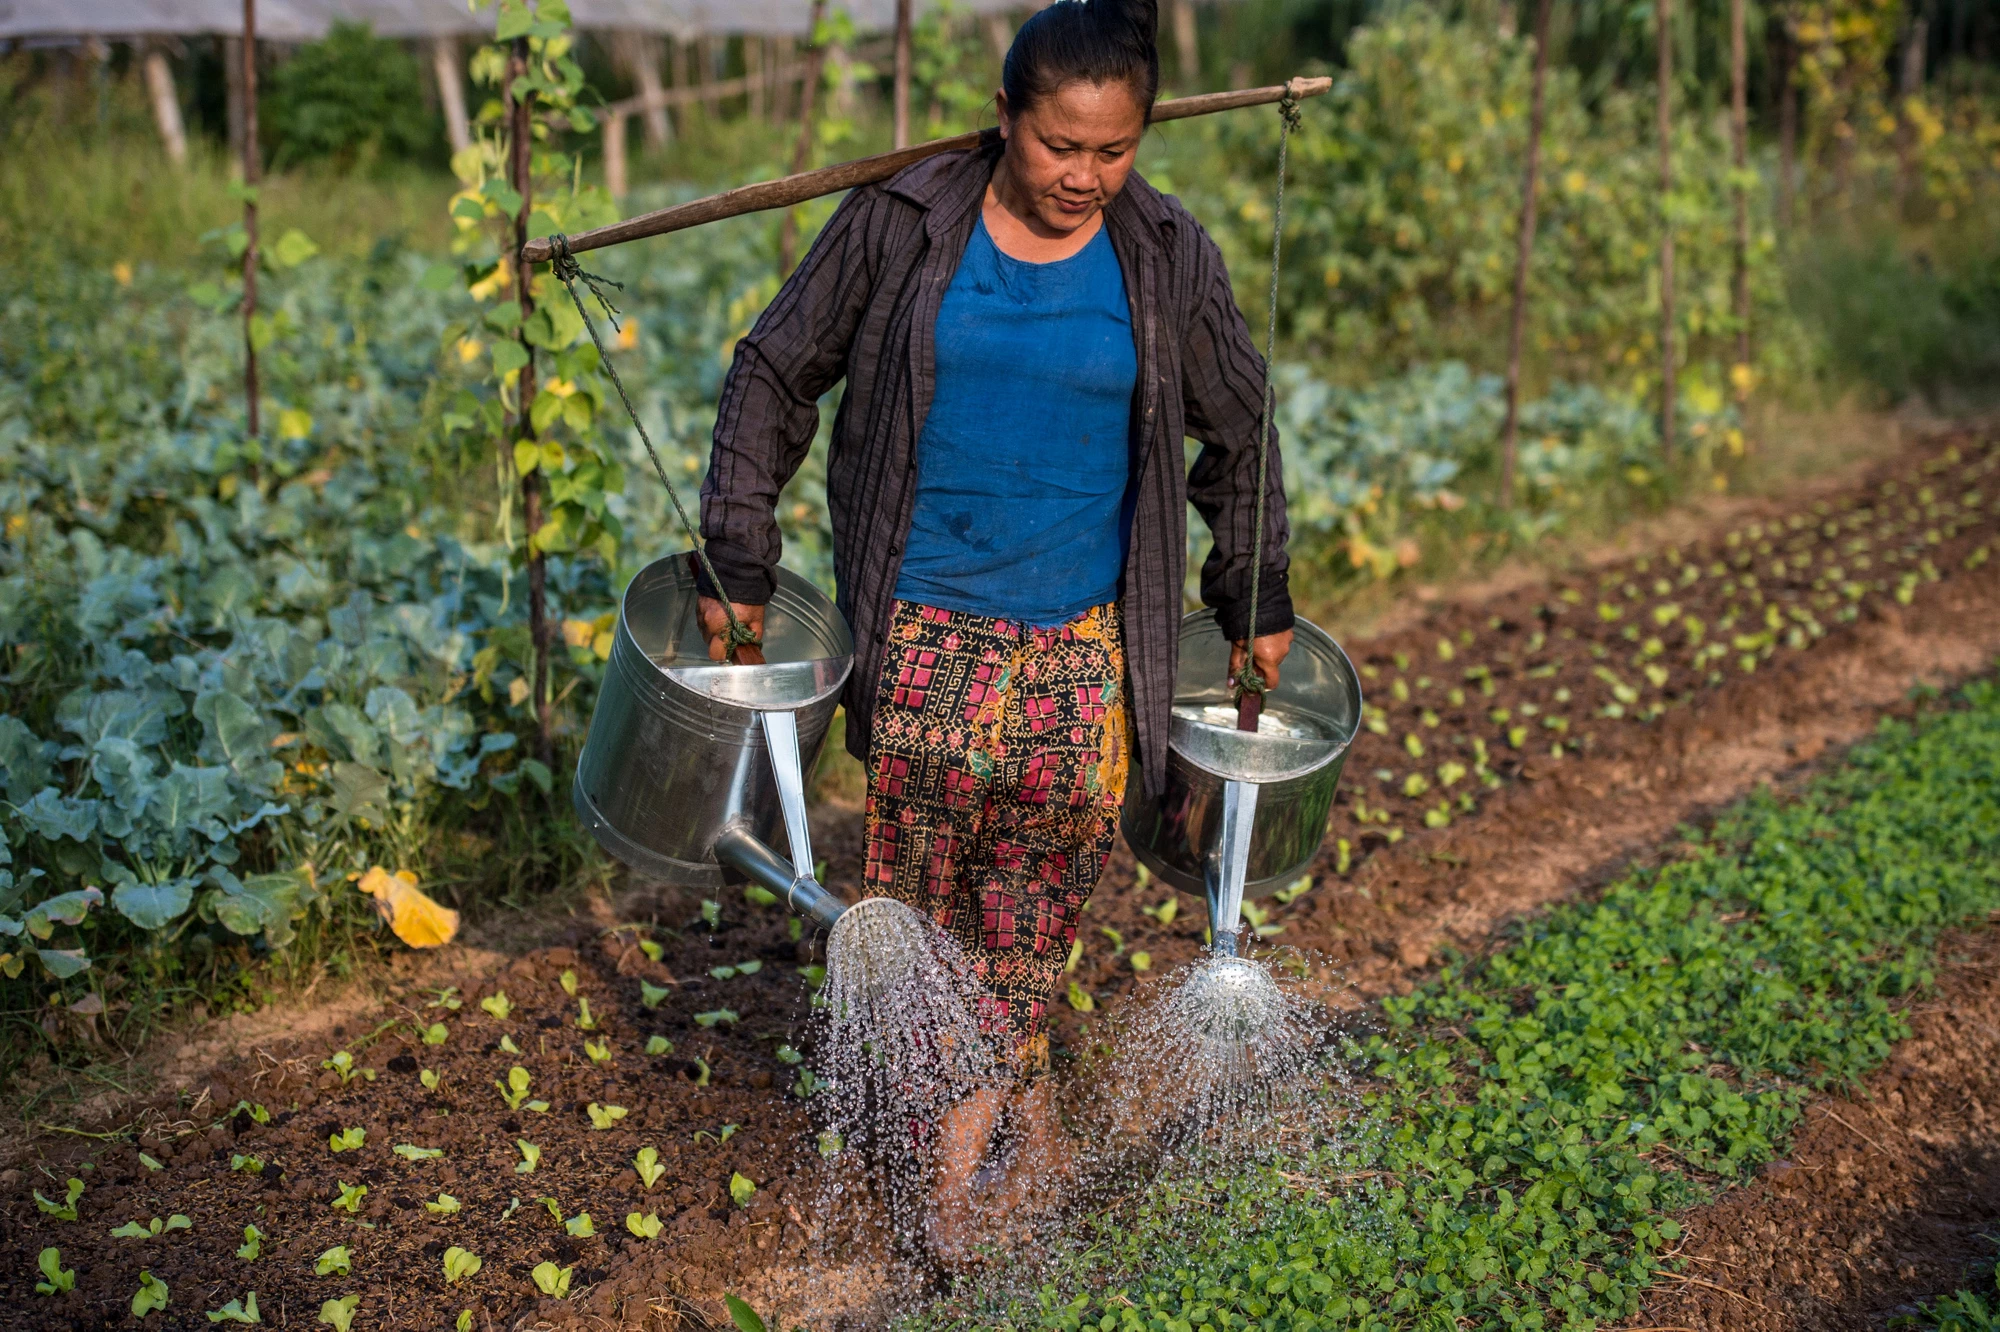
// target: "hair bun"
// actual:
[[1141, 18], [1089, 41]]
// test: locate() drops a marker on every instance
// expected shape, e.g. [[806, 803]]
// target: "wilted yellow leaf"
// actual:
[[294, 423], [517, 692], [415, 918], [469, 349], [578, 633]]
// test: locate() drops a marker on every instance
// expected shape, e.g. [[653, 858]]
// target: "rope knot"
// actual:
[[1288, 107], [568, 271]]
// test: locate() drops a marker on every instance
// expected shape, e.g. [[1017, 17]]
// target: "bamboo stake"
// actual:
[[1510, 432], [796, 189], [788, 231], [901, 133], [252, 173], [1739, 154], [1664, 123], [520, 121]]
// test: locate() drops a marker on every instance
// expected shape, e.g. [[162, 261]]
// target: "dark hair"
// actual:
[[1085, 41]]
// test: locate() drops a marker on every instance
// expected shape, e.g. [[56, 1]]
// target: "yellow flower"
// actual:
[[122, 273], [491, 283], [561, 388], [1576, 182], [578, 633], [294, 423], [469, 349], [628, 336], [1742, 378]]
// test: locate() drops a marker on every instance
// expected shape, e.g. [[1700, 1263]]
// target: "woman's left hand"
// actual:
[[1270, 650]]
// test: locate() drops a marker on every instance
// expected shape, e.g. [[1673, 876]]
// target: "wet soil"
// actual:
[[1539, 740], [1887, 1198]]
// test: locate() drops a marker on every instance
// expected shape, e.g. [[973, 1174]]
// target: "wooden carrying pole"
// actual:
[[796, 189]]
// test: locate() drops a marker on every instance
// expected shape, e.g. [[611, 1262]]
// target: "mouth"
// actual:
[[1073, 207]]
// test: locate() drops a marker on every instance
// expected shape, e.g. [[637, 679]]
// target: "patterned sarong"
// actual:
[[995, 773]]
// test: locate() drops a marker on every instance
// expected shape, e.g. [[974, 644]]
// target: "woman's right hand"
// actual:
[[715, 628]]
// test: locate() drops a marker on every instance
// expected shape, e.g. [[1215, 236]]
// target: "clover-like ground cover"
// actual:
[[1543, 1112]]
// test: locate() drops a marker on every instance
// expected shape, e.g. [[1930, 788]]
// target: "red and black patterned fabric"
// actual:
[[995, 774]]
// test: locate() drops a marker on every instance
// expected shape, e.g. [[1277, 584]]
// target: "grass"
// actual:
[[1532, 1120]]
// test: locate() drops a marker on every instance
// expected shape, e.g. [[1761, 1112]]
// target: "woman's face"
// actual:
[[1068, 155]]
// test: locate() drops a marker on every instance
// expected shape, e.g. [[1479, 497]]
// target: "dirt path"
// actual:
[[1890, 1196], [1522, 749]]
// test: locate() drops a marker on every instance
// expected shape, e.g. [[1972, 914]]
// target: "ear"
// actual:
[[1000, 109]]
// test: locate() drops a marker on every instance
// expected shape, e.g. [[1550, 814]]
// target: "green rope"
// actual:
[[568, 271], [1248, 681]]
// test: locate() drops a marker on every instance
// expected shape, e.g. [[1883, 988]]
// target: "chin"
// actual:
[[1059, 220]]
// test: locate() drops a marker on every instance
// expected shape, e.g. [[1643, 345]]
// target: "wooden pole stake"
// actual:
[[1530, 178], [902, 107], [788, 231], [1664, 123], [1739, 156], [253, 172], [520, 120]]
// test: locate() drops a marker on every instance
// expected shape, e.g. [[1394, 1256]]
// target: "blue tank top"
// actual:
[[1024, 462]]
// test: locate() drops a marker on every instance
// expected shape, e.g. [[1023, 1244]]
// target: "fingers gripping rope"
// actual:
[[569, 272], [1248, 680]]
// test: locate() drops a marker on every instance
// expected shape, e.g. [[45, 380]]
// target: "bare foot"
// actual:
[[964, 1136]]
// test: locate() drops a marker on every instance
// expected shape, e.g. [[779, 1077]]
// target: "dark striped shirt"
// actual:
[[863, 307]]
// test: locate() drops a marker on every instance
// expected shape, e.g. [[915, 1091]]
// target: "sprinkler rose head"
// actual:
[[880, 943], [1230, 1000]]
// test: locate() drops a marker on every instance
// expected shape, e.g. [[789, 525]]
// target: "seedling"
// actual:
[[551, 1280], [149, 1162], [515, 1090], [555, 1209], [446, 1205], [498, 1004], [810, 1084], [152, 1294], [1075, 955], [148, 1229], [659, 1045], [746, 968], [436, 1034], [447, 999], [1165, 911], [1141, 961], [410, 1152], [429, 1078], [815, 974], [507, 1045], [1259, 918], [741, 1314], [720, 1136], [1079, 999], [57, 1278], [715, 1015], [347, 1140], [650, 995], [339, 1314], [531, 1156], [742, 1188], [579, 1226], [647, 1163], [460, 1264], [645, 1227], [343, 1063], [1302, 885], [568, 981], [758, 895], [257, 1113], [464, 1323], [337, 1261], [237, 1311], [599, 1051], [66, 1209], [829, 1144], [252, 1246], [787, 1055], [604, 1116], [1117, 940], [711, 913], [247, 1165], [584, 1021], [349, 1198], [652, 950], [701, 1071]]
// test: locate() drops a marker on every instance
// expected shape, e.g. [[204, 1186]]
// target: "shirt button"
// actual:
[[895, 549]]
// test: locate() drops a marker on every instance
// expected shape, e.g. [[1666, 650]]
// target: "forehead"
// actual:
[[1089, 113]]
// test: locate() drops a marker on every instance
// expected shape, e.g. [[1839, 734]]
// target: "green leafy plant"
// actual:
[[252, 1246], [243, 1310], [725, 1016], [604, 1116], [56, 1279], [339, 1314], [151, 1295], [659, 1045], [342, 1063], [645, 1227], [429, 1078], [347, 1140], [742, 1188], [410, 1152], [66, 1209], [349, 1198], [651, 995], [337, 1261], [584, 1021], [741, 1314], [498, 1005], [248, 1165], [579, 1226], [598, 1051], [446, 1205], [568, 981], [460, 1264], [514, 1091], [149, 1229], [436, 1034], [551, 1280], [531, 1156], [149, 1162], [647, 1164], [258, 1114]]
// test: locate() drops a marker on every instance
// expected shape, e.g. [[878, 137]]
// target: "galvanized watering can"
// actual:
[[1243, 811], [692, 765]]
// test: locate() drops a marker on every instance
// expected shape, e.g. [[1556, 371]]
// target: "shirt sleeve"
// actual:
[[769, 410], [1223, 385]]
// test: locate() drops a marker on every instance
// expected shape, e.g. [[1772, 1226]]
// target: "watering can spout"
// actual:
[[739, 848]]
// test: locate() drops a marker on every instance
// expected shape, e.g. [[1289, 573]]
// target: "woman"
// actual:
[[1027, 330]]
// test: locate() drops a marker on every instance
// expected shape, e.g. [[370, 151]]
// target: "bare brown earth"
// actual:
[[1562, 780], [1889, 1197]]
